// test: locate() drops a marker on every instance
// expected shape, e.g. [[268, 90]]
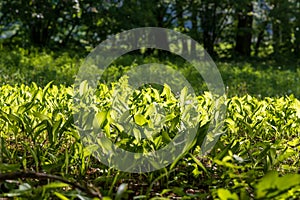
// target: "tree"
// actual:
[[244, 28], [282, 16], [213, 16], [296, 29], [42, 20]]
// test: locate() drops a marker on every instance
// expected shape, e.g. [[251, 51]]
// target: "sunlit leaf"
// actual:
[[140, 119]]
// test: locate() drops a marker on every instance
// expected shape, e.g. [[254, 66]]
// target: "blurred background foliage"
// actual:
[[226, 28]]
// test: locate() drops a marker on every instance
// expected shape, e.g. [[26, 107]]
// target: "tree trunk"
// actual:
[[297, 43], [162, 38], [244, 32], [40, 33], [208, 20], [194, 31], [180, 20]]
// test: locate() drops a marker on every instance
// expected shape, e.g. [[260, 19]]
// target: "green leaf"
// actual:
[[225, 194], [294, 142], [271, 185], [198, 163], [137, 134], [99, 119], [170, 116], [23, 188], [55, 185], [121, 191], [140, 119], [83, 88], [150, 110], [46, 89], [56, 126], [166, 136], [4, 167], [42, 117], [106, 198], [89, 150], [166, 91], [61, 196]]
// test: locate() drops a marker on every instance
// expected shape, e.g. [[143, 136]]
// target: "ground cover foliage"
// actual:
[[42, 155], [256, 157], [255, 45], [259, 78]]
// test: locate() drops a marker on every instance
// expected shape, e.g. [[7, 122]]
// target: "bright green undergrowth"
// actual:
[[27, 66], [257, 155], [257, 78]]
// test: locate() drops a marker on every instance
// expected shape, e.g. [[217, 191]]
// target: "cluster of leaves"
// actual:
[[256, 157]]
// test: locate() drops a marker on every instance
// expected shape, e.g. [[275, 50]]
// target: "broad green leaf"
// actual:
[[137, 134], [99, 119], [89, 150], [166, 91], [170, 116], [42, 117], [83, 88], [150, 110], [294, 142], [271, 185], [225, 194], [140, 119]]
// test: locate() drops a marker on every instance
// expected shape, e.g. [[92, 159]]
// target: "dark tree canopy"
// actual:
[[224, 27]]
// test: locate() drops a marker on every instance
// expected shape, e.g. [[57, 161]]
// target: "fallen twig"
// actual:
[[36, 175]]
